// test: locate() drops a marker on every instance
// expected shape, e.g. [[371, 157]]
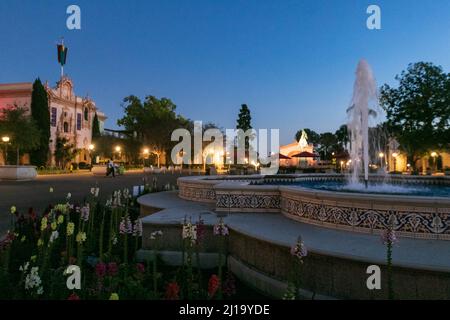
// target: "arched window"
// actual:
[[86, 114], [66, 127]]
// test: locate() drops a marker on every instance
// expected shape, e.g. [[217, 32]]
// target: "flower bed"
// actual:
[[42, 255]]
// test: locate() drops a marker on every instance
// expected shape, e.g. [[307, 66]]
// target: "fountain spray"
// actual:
[[364, 92]]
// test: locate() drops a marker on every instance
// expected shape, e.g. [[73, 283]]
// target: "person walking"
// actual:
[[110, 169]]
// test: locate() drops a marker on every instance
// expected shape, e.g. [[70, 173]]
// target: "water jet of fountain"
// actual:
[[364, 92]]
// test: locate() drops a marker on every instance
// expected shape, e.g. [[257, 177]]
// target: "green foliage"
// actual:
[[41, 115], [22, 130], [95, 127], [64, 152], [313, 137], [418, 110], [152, 121], [244, 118]]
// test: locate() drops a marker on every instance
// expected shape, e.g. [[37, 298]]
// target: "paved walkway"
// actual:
[[35, 194], [411, 253]]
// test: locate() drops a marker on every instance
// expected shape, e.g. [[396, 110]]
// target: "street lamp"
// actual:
[[145, 153], [395, 155], [381, 156], [118, 149], [91, 148], [434, 155], [5, 140]]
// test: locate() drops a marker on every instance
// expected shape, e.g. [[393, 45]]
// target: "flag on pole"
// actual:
[[62, 54]]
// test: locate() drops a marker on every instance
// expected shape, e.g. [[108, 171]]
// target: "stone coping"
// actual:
[[420, 254]]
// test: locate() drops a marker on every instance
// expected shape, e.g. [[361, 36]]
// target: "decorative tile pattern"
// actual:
[[413, 222], [246, 201], [202, 193]]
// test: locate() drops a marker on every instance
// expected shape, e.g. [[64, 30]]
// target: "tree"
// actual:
[[21, 129], [41, 116], [152, 121], [328, 144], [342, 136], [313, 137], [418, 110], [64, 152], [95, 127], [244, 118]]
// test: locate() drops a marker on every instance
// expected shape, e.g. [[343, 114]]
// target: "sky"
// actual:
[[291, 62]]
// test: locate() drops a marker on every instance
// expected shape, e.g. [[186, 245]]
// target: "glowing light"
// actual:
[[91, 147], [118, 148], [434, 154], [5, 139], [381, 155], [395, 154], [146, 151]]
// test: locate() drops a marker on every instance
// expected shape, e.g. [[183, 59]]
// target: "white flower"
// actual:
[[54, 236], [50, 190], [189, 232], [24, 267], [69, 195], [85, 212], [137, 228], [40, 290], [33, 280]]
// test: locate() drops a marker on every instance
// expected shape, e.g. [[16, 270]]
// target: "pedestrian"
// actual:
[[110, 168]]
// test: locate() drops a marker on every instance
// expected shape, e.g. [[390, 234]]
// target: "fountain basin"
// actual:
[[414, 216]]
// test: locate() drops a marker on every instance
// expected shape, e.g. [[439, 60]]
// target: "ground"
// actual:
[[35, 194]]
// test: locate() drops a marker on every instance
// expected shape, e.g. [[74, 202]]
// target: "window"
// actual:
[[78, 121], [66, 127], [86, 114], [53, 116]]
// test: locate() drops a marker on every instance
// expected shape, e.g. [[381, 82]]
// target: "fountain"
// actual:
[[364, 92]]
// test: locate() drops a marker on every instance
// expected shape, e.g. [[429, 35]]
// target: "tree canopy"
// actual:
[[313, 137], [41, 115], [418, 109], [152, 120], [20, 128]]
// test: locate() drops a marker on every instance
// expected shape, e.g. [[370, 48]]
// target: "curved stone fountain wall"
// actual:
[[418, 217]]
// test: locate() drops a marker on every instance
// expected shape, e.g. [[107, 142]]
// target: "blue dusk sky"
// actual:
[[292, 62]]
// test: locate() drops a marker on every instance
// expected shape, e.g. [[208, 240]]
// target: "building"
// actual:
[[295, 148], [71, 116]]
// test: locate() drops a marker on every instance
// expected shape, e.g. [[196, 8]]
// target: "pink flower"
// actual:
[[220, 229], [299, 249], [388, 236], [73, 296], [125, 225], [140, 267], [112, 269], [137, 228], [200, 230], [85, 212], [100, 269]]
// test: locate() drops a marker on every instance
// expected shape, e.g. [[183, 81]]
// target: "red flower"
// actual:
[[73, 296], [172, 291], [112, 269], [140, 268], [213, 285], [100, 269]]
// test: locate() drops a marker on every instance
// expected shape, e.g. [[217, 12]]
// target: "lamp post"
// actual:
[[381, 156], [91, 148], [395, 155], [145, 154], [118, 149], [5, 140], [434, 155]]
